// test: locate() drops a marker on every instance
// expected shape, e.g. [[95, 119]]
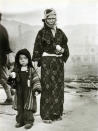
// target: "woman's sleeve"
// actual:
[[66, 49], [5, 41], [37, 52]]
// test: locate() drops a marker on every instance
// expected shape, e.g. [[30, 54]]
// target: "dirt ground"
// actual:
[[80, 113]]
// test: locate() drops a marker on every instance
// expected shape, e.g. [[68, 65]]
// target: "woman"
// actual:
[[51, 51], [6, 61]]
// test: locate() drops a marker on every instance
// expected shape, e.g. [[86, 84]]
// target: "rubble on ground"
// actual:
[[90, 82]]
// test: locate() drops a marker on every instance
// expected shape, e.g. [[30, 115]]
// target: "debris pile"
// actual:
[[90, 82]]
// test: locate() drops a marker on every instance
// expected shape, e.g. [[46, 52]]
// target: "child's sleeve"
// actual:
[[12, 79], [36, 81]]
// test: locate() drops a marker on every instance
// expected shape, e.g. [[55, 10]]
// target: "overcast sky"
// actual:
[[69, 12]]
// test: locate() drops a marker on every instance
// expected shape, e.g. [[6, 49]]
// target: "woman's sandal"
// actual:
[[47, 121]]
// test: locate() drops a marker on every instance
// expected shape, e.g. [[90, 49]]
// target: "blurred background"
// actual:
[[77, 18]]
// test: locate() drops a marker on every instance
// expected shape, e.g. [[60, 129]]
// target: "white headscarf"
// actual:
[[47, 13]]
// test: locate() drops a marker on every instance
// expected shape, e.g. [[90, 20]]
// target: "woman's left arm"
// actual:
[[65, 47]]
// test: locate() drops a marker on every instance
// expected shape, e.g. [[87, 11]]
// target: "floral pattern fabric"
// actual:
[[52, 80]]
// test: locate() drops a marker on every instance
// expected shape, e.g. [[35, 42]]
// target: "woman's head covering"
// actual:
[[47, 13], [26, 53]]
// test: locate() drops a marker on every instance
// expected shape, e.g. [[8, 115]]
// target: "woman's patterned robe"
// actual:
[[52, 71]]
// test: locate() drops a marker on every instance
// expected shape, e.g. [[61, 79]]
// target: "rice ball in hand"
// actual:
[[58, 47]]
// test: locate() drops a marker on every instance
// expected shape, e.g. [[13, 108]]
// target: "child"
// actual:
[[27, 83]]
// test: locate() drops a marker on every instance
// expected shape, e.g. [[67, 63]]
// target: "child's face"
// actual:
[[23, 60]]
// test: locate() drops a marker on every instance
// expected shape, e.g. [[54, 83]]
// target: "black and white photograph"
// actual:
[[49, 65]]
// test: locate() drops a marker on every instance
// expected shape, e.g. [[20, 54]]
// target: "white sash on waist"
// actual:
[[47, 54]]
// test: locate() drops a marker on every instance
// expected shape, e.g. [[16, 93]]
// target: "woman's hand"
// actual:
[[59, 50]]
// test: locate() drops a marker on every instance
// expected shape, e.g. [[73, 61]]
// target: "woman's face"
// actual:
[[51, 20], [23, 60]]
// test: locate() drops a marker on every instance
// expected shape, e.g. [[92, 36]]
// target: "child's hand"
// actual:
[[12, 75], [36, 93]]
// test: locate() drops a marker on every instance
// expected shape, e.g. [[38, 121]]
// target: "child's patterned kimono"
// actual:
[[26, 83]]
